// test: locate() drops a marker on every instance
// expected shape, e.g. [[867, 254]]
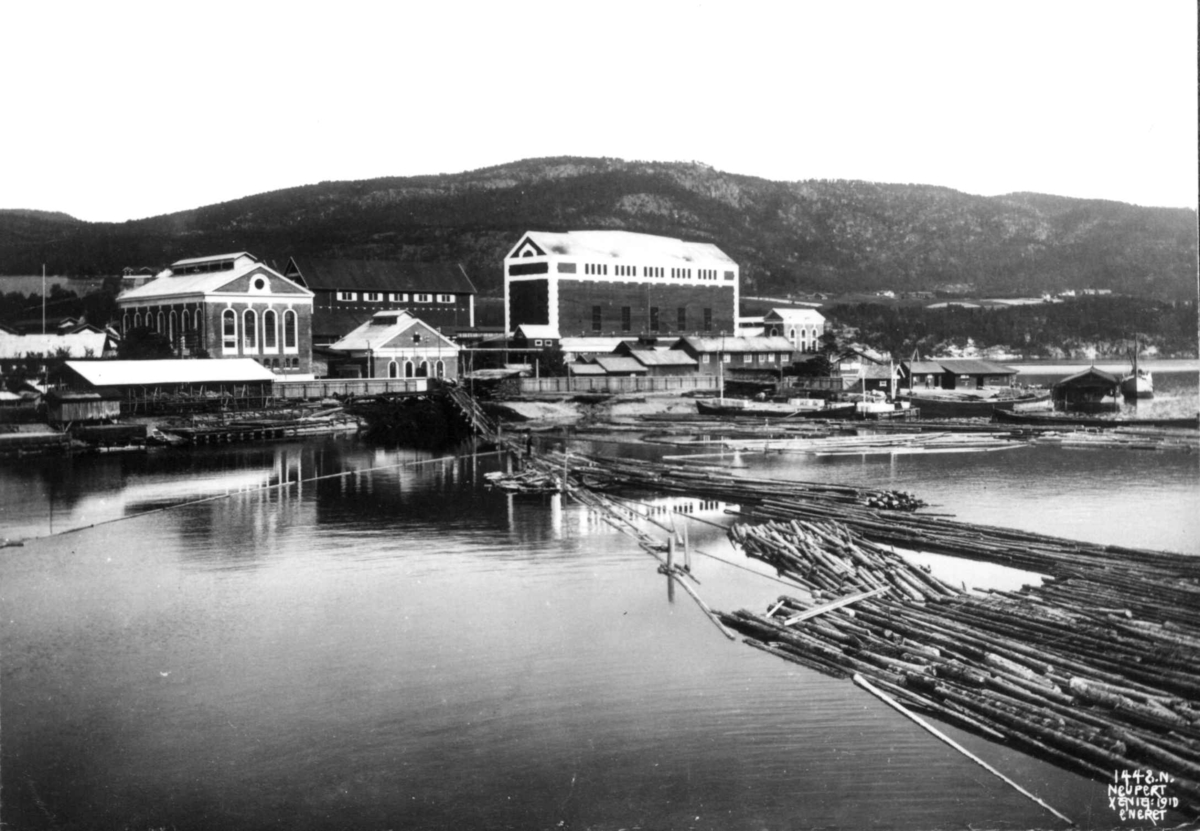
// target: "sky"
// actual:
[[122, 110]]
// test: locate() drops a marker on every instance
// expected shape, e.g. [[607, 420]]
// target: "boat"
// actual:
[[1139, 383], [972, 406], [1049, 420], [792, 408]]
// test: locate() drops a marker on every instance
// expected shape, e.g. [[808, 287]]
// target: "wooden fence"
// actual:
[[348, 386], [619, 383]]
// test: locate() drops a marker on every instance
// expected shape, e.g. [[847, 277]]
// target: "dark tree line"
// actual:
[[1047, 330]]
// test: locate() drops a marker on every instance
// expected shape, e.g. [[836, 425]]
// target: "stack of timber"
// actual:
[[1096, 671]]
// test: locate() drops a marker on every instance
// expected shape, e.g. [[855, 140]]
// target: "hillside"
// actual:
[[832, 236]]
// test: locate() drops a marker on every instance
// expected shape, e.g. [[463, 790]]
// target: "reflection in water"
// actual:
[[402, 647]]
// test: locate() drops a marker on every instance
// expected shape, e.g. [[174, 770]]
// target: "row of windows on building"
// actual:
[[748, 357], [601, 270], [393, 297], [280, 364], [252, 334], [681, 319], [416, 369], [182, 324]]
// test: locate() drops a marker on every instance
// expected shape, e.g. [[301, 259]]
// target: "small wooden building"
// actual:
[[954, 373], [80, 407], [1087, 390]]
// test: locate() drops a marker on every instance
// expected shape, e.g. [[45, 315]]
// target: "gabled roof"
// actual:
[[598, 346], [537, 330], [379, 275], [777, 343], [607, 245], [616, 363], [385, 327], [975, 366], [1090, 377], [170, 283], [585, 369], [78, 344], [803, 317], [193, 371], [662, 357], [958, 366]]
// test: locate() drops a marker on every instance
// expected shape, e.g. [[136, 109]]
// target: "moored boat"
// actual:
[[946, 406], [1138, 384], [792, 408], [1049, 420]]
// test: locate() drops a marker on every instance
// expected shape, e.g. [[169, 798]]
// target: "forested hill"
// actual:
[[830, 236]]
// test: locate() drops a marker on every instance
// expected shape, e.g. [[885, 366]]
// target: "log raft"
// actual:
[[1096, 669]]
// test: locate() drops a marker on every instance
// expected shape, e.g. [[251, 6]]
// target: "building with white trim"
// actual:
[[802, 327], [395, 344], [227, 306], [619, 284]]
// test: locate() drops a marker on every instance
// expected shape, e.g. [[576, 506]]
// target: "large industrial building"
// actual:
[[619, 283], [226, 306]]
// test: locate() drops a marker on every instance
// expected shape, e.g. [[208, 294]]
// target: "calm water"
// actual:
[[400, 647]]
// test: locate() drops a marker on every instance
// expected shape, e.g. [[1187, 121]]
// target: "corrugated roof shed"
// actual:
[[196, 371], [381, 275]]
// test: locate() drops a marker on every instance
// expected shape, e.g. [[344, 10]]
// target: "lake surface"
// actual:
[[397, 646]]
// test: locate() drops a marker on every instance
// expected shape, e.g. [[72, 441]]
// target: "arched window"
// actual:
[[229, 330], [171, 327], [270, 336], [185, 322], [250, 330], [289, 329], [393, 370], [125, 323], [408, 369], [137, 320], [423, 370], [440, 369]]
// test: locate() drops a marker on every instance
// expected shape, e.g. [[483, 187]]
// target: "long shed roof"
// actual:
[[775, 343], [193, 371]]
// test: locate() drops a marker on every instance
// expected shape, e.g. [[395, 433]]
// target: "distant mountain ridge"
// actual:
[[818, 235]]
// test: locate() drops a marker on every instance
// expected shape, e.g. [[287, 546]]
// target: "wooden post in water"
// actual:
[[687, 548], [670, 569]]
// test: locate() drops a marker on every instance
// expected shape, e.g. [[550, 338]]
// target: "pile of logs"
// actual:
[[1096, 671]]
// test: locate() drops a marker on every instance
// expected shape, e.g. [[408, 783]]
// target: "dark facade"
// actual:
[[346, 293]]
